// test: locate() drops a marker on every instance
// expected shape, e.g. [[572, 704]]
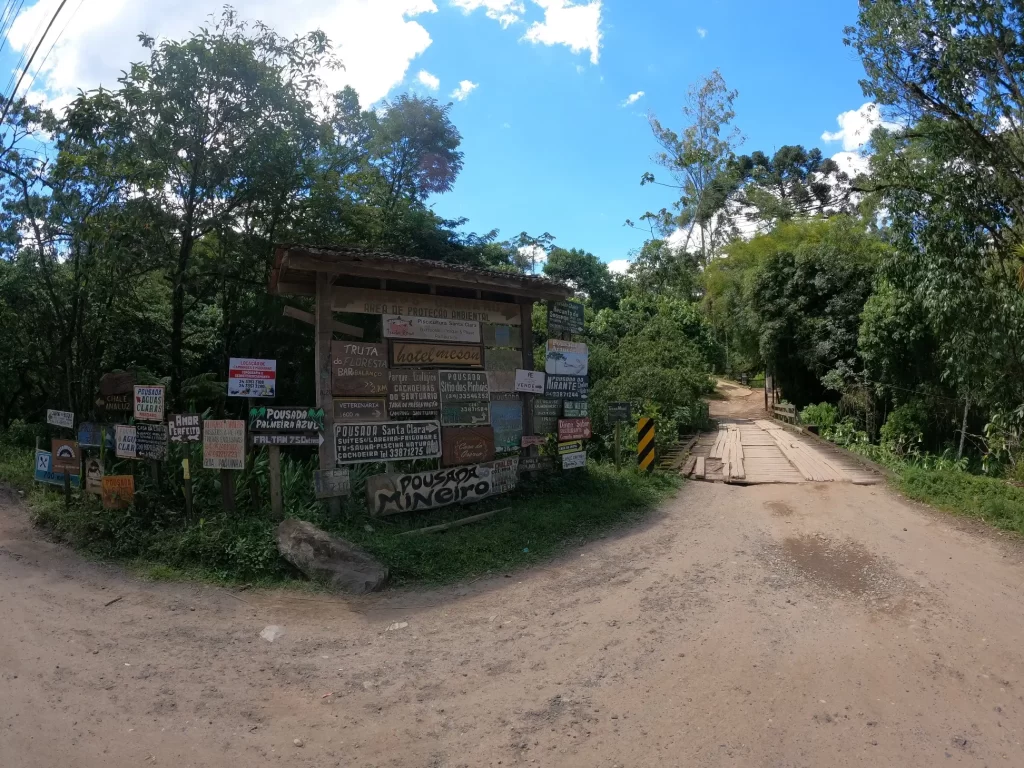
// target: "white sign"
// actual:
[[61, 418], [224, 444], [574, 460], [149, 403], [251, 377], [530, 381], [124, 442], [432, 328], [566, 358]]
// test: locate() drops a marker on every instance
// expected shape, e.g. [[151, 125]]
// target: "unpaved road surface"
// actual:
[[801, 625]]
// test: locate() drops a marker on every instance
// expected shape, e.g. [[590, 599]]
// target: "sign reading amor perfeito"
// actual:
[[565, 317], [185, 428], [413, 394], [568, 358], [462, 386], [374, 302], [427, 354], [388, 441], [252, 377], [149, 403], [359, 370], [431, 329], [391, 494], [224, 444]]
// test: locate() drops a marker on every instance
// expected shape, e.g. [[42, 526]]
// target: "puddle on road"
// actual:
[[779, 508]]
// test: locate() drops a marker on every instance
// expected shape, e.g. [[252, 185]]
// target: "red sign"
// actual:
[[529, 440], [574, 429]]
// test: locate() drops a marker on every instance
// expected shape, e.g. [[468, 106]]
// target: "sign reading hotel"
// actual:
[[370, 301], [427, 354]]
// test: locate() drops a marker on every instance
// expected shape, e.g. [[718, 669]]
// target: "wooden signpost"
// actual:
[[571, 446], [413, 394], [619, 414], [427, 354], [118, 491], [574, 429], [574, 460], [186, 428], [65, 419], [331, 483], [224, 449], [502, 383], [536, 464], [149, 402], [359, 369], [151, 441], [276, 426], [458, 414], [575, 409], [466, 445], [503, 359], [390, 441]]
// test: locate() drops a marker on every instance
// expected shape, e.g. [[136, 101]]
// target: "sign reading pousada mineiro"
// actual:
[[374, 302], [391, 494], [426, 354]]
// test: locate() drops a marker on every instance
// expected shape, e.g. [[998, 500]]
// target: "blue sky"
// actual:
[[548, 144]]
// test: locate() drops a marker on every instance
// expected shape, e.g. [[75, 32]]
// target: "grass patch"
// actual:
[[540, 520], [990, 499]]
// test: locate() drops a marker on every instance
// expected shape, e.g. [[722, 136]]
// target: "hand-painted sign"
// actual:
[[536, 464], [574, 429], [466, 445], [507, 420], [568, 387], [149, 403], [502, 336], [413, 394], [330, 483], [64, 419], [116, 404], [375, 302], [570, 447], [546, 411], [44, 471], [504, 475], [502, 382], [502, 359], [529, 381], [359, 369], [185, 428], [391, 494], [124, 442], [568, 358], [565, 317], [223, 444], [117, 383], [94, 476], [91, 434], [575, 409], [532, 440], [67, 456], [252, 377], [620, 412], [357, 410], [287, 438], [151, 441], [462, 386], [390, 441], [267, 418], [457, 414], [574, 460], [431, 329], [423, 354], [510, 395], [118, 491]]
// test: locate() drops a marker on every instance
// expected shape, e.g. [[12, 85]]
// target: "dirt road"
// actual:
[[802, 625]]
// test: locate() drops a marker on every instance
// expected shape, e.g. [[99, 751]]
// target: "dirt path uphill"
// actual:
[[799, 625]]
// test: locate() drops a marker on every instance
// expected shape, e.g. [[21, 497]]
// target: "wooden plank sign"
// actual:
[[574, 429], [507, 420], [149, 403], [390, 441], [574, 460], [425, 354], [185, 428], [462, 386], [568, 387], [118, 491], [44, 472], [117, 383], [565, 317], [431, 329], [536, 464], [395, 493], [359, 410], [502, 382], [116, 404], [455, 414], [331, 483], [267, 418], [64, 419], [370, 301], [124, 442], [568, 358], [529, 441], [466, 445], [502, 359], [502, 336], [573, 446], [529, 381], [224, 444], [620, 412], [575, 409], [67, 456], [546, 411], [287, 439], [359, 369], [151, 441], [413, 394]]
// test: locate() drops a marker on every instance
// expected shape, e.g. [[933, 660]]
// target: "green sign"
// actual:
[[546, 412], [565, 317]]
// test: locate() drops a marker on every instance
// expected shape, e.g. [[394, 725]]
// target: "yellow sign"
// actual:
[[645, 443], [184, 469]]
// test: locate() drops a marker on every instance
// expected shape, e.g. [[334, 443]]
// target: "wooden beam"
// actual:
[[453, 523], [296, 289], [324, 396], [526, 318], [338, 327]]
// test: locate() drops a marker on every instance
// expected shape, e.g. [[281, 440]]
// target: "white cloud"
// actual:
[[534, 253], [506, 12], [576, 26], [580, 69], [429, 80], [855, 127], [375, 40], [619, 266], [465, 88], [702, 32], [506, 125], [633, 98], [852, 163]]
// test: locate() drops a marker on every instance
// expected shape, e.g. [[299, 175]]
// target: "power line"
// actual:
[[55, 41], [10, 16], [21, 59], [10, 99]]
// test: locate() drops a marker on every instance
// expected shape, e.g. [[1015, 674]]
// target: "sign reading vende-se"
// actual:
[[252, 377]]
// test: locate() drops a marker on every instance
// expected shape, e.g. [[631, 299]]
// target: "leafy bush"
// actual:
[[991, 499], [823, 415], [903, 430]]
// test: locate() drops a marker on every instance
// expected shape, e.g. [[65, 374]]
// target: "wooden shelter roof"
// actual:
[[296, 267]]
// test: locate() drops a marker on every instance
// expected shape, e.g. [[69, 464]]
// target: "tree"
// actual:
[[660, 269], [586, 273]]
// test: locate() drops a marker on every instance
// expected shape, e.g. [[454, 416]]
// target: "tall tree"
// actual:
[[584, 272]]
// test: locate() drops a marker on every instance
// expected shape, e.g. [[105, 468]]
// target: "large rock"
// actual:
[[327, 558]]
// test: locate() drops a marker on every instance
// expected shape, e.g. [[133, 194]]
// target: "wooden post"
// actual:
[[526, 318], [186, 470], [67, 485], [227, 489], [276, 501], [618, 446], [324, 398], [250, 458]]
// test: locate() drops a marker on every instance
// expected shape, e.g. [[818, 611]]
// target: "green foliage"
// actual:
[[586, 273], [903, 430], [994, 501], [823, 415]]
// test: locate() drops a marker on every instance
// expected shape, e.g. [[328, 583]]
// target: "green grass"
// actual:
[[993, 500], [538, 521]]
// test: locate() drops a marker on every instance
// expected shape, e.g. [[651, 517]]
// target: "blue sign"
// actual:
[[507, 420], [45, 473], [89, 435]]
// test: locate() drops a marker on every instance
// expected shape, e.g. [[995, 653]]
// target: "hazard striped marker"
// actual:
[[645, 443]]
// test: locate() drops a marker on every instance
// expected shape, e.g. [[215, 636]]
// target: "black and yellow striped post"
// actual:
[[645, 443]]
